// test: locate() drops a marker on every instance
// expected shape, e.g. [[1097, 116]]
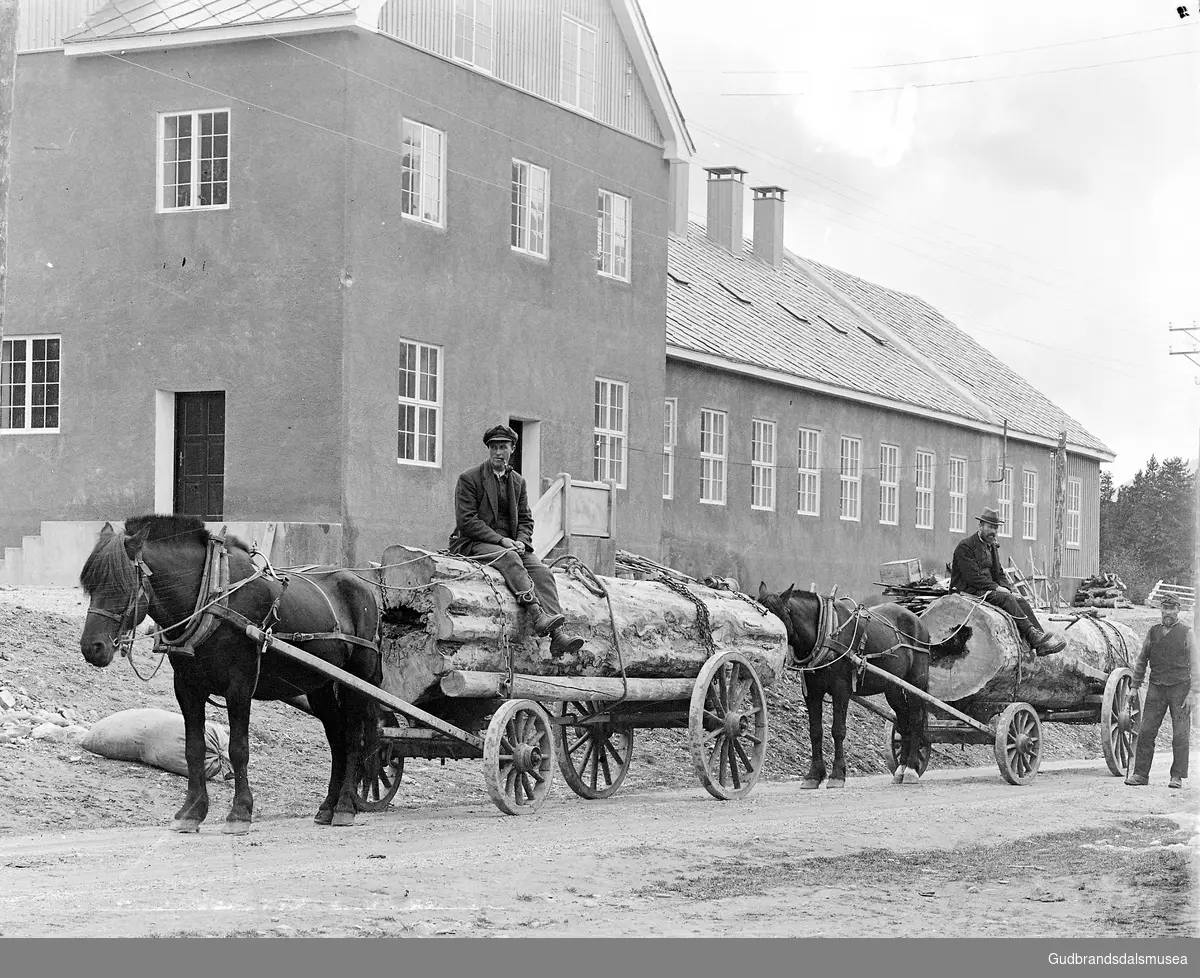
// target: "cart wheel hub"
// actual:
[[735, 724], [528, 757], [1022, 742]]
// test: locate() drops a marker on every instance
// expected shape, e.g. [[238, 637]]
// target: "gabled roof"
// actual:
[[823, 329]]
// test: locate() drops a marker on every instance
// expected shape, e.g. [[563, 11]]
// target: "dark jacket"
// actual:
[[477, 511], [976, 568], [1171, 655]]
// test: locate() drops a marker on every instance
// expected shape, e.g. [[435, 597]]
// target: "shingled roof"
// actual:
[[821, 325], [149, 18]]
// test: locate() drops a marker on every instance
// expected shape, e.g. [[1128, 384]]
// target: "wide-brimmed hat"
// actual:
[[499, 432], [989, 515], [1169, 601]]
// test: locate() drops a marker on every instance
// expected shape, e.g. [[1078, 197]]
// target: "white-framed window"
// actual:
[[808, 472], [889, 484], [1074, 508], [473, 32], [1029, 505], [612, 235], [762, 464], [611, 429], [29, 383], [850, 468], [419, 429], [670, 439], [958, 495], [193, 160], [924, 482], [1004, 504], [712, 457], [577, 80], [423, 173], [530, 199]]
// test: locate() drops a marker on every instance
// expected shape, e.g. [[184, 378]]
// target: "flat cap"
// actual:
[[499, 432], [1169, 601]]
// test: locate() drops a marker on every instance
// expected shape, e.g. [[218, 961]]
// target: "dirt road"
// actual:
[[960, 854]]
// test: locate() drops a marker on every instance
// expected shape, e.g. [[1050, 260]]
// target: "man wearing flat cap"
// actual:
[[976, 570], [493, 524], [1169, 652]]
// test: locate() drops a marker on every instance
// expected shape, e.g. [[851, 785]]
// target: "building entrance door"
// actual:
[[200, 454]]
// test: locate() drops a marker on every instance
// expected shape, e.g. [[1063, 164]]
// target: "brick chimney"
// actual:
[[725, 191], [768, 224]]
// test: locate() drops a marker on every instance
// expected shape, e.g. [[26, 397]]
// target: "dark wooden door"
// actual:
[[200, 454]]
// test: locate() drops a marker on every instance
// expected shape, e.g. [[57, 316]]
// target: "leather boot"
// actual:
[[1046, 643], [543, 623], [560, 645]]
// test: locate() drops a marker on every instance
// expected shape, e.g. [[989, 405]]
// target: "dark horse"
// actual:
[[160, 565], [888, 636]]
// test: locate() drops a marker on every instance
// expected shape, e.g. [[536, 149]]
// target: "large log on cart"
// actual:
[[997, 666], [450, 626]]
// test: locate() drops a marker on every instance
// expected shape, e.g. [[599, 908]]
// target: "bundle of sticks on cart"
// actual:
[[918, 595]]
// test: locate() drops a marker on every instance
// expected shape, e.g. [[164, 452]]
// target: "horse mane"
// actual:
[[107, 564], [177, 527]]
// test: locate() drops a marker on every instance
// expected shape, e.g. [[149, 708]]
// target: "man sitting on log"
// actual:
[[493, 523], [976, 570]]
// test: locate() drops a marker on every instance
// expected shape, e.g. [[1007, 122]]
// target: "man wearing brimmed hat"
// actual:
[[493, 523], [976, 570], [1170, 653]]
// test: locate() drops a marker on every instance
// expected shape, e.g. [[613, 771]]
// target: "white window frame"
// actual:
[[576, 79], [529, 211], [617, 211], [429, 170], [889, 485], [195, 161], [28, 385], [1029, 504], [414, 394], [474, 34], [923, 482], [713, 426], [670, 439], [1004, 503], [808, 477], [762, 465], [610, 443], [958, 494], [850, 479], [1072, 530]]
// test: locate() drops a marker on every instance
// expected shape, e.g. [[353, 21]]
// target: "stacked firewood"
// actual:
[[916, 596], [1102, 591]]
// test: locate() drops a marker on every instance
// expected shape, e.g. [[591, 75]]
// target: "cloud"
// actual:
[[878, 127]]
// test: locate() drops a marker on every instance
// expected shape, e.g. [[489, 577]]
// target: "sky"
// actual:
[[1031, 169]]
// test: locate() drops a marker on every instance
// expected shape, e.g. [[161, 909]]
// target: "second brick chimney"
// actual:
[[768, 224], [724, 219]]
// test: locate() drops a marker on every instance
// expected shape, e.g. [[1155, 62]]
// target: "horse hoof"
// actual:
[[184, 825], [911, 776], [808, 784], [833, 783], [342, 818], [898, 776], [236, 827], [324, 816]]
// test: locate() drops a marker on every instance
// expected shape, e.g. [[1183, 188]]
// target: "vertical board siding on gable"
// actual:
[[528, 51], [1085, 561], [42, 23]]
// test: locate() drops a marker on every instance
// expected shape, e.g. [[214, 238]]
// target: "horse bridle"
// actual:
[[123, 640]]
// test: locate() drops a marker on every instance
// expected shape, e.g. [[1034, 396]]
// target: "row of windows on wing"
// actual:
[[195, 176]]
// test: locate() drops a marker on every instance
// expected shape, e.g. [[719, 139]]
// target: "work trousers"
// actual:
[[1019, 609], [525, 574], [1160, 699]]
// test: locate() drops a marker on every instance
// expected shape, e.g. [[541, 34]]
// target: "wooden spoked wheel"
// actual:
[[1018, 744], [593, 757], [891, 751], [382, 769], [727, 726], [518, 757], [1119, 721]]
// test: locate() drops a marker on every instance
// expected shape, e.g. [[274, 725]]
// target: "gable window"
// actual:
[[193, 160], [712, 457], [1029, 506], [1004, 504], [29, 385], [473, 32], [612, 235], [577, 81], [1074, 505], [423, 173], [670, 437], [762, 465], [889, 484], [808, 472], [850, 467], [530, 194], [608, 455], [958, 495], [419, 429], [924, 479]]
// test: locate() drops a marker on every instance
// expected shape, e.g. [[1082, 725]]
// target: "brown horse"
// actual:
[[166, 566], [887, 635]]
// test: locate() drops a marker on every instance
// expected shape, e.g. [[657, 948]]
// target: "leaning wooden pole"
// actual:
[[9, 14], [1060, 495]]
